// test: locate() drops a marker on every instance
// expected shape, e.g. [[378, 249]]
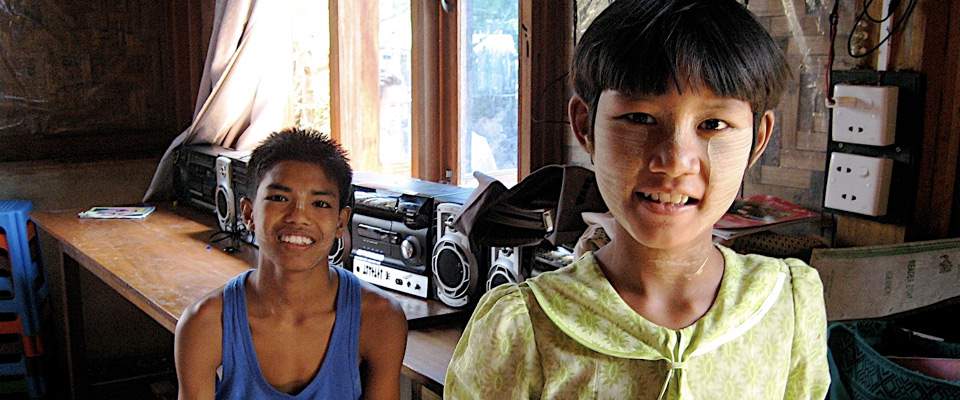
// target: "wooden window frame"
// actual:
[[546, 32]]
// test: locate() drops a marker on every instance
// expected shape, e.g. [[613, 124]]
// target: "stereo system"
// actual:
[[404, 239], [401, 234], [393, 231]]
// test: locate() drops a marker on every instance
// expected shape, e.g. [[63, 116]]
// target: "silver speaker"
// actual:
[[226, 203], [506, 266], [458, 272]]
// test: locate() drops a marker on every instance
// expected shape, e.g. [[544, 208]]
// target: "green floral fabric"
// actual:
[[568, 335]]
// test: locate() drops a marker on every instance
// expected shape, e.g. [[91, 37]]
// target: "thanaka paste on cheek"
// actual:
[[728, 155], [616, 153]]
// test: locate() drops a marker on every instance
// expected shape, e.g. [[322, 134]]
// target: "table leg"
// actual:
[[73, 329]]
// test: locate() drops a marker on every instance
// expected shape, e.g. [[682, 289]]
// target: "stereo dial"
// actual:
[[409, 247]]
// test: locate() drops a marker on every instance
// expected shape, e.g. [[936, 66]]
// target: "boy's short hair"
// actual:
[[638, 47], [303, 144]]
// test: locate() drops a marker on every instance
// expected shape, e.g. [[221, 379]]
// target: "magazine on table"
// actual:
[[758, 213], [117, 212]]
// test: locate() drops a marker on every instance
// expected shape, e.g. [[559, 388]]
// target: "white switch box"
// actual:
[[858, 184], [865, 114]]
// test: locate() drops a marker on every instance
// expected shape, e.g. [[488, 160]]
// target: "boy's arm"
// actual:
[[383, 340], [197, 348], [809, 373]]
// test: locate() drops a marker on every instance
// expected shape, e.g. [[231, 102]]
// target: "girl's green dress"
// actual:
[[567, 334]]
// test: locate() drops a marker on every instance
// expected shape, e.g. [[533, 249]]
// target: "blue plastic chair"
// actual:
[[25, 271]]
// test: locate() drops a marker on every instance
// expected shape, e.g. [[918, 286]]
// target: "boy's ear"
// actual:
[[579, 114], [246, 212], [343, 221], [764, 133]]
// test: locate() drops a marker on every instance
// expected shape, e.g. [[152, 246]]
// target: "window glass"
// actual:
[[395, 40], [489, 83], [311, 52]]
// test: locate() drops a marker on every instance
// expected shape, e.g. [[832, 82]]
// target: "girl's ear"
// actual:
[[579, 114], [764, 132]]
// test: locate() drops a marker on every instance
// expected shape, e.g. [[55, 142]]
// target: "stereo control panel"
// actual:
[[368, 266]]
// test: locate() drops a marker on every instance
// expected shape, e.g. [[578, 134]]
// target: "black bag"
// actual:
[[860, 369]]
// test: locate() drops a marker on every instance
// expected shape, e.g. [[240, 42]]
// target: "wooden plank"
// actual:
[[428, 354], [448, 80], [355, 116], [546, 50], [425, 125], [73, 329], [853, 231], [941, 139], [161, 264]]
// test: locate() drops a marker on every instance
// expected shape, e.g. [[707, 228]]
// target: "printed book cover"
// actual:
[[757, 213], [117, 212]]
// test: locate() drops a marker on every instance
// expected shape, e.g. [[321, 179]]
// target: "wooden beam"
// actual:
[[546, 48], [425, 124], [941, 141], [355, 81], [450, 102]]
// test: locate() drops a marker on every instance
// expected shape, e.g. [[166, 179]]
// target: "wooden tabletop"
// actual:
[[163, 263]]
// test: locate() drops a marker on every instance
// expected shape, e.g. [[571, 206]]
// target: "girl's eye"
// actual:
[[714, 125], [640, 118], [276, 197], [321, 204]]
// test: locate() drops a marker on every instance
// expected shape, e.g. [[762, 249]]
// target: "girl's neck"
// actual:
[[672, 287]]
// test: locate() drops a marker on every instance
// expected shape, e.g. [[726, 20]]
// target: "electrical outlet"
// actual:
[[858, 184], [865, 114]]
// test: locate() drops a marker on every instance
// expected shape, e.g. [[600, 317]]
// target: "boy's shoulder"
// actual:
[[375, 302], [381, 313], [206, 310]]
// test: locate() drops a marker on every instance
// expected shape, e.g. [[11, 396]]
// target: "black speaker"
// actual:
[[459, 269]]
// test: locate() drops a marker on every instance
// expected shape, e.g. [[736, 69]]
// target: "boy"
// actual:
[[673, 103], [293, 327]]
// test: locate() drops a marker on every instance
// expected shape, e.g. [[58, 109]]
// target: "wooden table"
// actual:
[[163, 263]]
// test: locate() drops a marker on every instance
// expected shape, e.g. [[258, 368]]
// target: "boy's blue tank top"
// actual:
[[339, 374]]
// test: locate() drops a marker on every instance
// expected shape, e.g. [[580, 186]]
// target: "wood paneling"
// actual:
[[448, 81], [546, 48], [425, 126], [355, 81], [941, 140]]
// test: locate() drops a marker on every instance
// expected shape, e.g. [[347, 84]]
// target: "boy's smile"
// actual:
[[668, 166], [296, 215]]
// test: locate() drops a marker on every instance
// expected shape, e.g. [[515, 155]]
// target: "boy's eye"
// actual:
[[276, 197], [639, 118], [321, 204], [714, 125]]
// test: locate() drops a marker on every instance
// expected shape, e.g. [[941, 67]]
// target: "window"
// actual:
[[432, 89], [488, 86]]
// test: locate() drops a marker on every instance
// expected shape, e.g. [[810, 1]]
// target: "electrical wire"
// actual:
[[865, 16], [831, 55]]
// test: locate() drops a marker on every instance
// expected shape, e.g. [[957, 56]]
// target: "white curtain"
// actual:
[[245, 89]]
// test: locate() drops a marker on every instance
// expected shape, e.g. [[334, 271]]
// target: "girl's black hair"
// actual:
[[639, 47]]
